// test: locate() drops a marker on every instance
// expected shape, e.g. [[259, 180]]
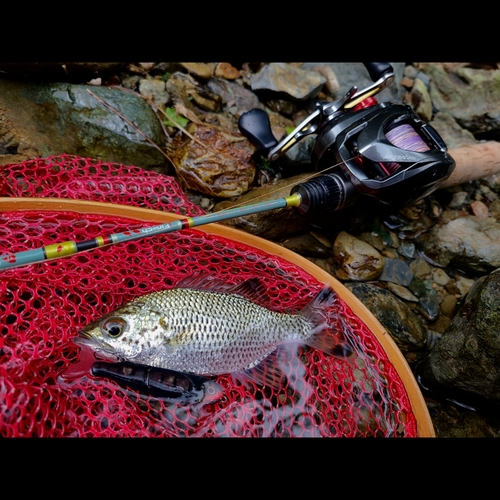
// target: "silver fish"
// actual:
[[204, 332]]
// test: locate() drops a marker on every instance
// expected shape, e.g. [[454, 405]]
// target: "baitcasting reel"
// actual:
[[381, 150]]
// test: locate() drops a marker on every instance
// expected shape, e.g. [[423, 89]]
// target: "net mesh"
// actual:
[[44, 305]]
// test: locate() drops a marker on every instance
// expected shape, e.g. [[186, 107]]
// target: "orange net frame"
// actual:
[[44, 305]]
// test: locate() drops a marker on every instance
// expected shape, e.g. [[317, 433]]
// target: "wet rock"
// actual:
[[469, 242], [372, 239], [478, 88], [282, 106], [467, 357], [356, 260], [406, 328], [288, 79], [323, 239], [55, 118], [216, 162], [276, 225]]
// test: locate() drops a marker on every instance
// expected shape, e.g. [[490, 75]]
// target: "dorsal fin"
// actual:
[[251, 289]]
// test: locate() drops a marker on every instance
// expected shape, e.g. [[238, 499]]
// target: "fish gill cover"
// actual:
[[43, 306]]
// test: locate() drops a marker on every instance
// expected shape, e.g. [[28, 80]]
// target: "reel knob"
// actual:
[[256, 127]]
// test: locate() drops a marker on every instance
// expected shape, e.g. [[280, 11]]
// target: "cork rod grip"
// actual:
[[474, 162]]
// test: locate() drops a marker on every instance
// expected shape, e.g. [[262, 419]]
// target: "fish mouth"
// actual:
[[86, 339]]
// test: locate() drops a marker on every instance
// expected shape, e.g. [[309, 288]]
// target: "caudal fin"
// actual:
[[323, 338]]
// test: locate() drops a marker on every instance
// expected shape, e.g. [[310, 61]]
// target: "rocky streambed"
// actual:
[[428, 272]]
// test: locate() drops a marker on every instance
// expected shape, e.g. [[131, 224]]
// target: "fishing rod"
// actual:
[[380, 150], [68, 248]]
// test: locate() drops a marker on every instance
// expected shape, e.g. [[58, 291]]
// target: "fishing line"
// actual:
[[404, 137]]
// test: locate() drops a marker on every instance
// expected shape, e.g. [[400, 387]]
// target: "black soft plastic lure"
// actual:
[[159, 382]]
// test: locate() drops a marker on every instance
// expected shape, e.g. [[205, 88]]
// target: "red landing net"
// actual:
[[44, 305]]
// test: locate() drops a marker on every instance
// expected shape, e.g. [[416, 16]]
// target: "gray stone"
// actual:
[[468, 241], [478, 88], [282, 77]]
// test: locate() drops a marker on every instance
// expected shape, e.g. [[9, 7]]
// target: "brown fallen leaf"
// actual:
[[215, 162]]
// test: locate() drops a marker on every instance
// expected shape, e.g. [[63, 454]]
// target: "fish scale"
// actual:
[[200, 331]]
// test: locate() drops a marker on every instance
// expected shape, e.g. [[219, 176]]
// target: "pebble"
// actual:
[[464, 284], [440, 277], [448, 305], [407, 249], [401, 292], [396, 271], [420, 267], [356, 259], [226, 71], [458, 199], [480, 209], [154, 90], [201, 70]]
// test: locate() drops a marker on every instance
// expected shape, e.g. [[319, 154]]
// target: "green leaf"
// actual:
[[176, 118]]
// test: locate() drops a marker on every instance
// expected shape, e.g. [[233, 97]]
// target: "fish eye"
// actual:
[[114, 327]]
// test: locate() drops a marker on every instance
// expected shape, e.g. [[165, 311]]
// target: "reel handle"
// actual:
[[256, 127]]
